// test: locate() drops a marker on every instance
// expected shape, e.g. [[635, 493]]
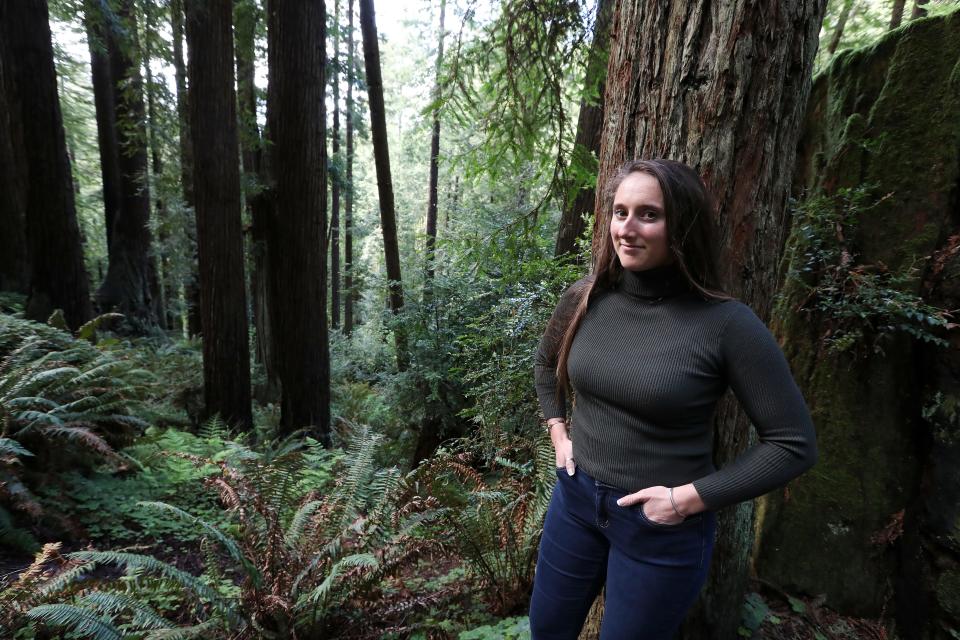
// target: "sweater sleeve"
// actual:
[[552, 403], [761, 380]]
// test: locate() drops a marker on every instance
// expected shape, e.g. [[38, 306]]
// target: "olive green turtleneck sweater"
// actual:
[[648, 364]]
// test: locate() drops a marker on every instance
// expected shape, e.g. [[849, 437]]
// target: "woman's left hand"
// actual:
[[655, 502]]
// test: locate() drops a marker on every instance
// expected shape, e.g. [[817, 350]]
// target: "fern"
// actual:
[[75, 619]]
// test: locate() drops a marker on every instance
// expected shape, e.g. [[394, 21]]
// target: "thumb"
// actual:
[[631, 499]]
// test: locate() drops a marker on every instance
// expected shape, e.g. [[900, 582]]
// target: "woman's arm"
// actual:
[[761, 380]]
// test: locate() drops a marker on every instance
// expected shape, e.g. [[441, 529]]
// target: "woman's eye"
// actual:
[[619, 213]]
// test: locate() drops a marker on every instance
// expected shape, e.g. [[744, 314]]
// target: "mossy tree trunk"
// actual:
[[721, 86], [884, 500]]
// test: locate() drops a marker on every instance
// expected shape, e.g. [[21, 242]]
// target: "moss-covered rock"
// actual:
[[887, 115]]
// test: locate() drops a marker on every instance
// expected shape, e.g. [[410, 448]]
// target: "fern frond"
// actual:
[[201, 630], [75, 619], [225, 541], [111, 603], [320, 593], [10, 447], [299, 522]]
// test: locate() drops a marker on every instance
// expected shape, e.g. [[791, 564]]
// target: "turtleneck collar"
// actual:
[[664, 281]]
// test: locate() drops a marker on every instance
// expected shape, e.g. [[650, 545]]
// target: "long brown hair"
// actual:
[[691, 235]]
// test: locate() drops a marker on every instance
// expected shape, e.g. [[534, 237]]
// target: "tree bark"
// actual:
[[381, 155], [213, 118], [919, 9], [14, 263], [845, 14], [897, 16], [246, 16], [296, 253], [434, 162], [186, 159], [102, 47], [335, 178], [58, 276], [721, 86], [348, 191], [157, 260], [127, 286], [589, 128]]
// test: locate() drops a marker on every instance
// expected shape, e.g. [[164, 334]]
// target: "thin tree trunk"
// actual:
[[296, 254], [845, 14], [186, 160], [101, 45], [721, 86], [589, 128], [157, 261], [381, 154], [246, 17], [213, 118], [897, 16], [14, 263], [434, 162], [348, 194], [58, 276], [919, 9], [127, 286], [335, 178]]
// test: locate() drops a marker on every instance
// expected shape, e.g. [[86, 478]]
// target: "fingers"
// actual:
[[571, 466], [631, 499]]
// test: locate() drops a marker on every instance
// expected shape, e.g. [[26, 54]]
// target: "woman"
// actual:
[[649, 344]]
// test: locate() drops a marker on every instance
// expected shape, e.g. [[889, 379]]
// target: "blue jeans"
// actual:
[[653, 572]]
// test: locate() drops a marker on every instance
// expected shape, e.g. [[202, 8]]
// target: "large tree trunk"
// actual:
[[721, 86], [434, 162], [589, 127], [14, 264], [348, 195], [335, 177], [213, 118], [127, 287], [381, 156], [100, 40], [296, 253], [186, 159], [58, 277]]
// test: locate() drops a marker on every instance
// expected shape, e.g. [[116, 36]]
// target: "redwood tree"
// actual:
[[434, 159], [296, 258], [58, 277], [127, 286], [721, 86], [14, 267], [335, 177], [213, 119], [381, 156], [348, 190]]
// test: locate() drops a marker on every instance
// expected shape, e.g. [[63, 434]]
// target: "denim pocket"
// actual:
[[638, 508]]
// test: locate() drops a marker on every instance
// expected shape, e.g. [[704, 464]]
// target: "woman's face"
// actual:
[[638, 227]]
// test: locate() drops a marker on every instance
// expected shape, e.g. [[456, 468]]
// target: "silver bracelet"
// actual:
[[549, 425], [674, 503]]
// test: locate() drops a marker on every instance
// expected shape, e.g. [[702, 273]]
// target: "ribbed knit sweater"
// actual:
[[648, 364]]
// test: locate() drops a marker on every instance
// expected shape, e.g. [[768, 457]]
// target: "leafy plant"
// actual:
[[865, 304]]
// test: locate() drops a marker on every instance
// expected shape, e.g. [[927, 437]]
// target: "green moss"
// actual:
[[948, 592]]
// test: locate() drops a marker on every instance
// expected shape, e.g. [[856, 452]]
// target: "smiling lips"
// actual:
[[630, 246]]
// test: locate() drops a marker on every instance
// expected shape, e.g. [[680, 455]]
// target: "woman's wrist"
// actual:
[[557, 428], [686, 500]]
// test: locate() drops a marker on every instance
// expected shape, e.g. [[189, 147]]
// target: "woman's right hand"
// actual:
[[562, 445]]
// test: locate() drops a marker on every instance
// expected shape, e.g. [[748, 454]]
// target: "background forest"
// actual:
[[273, 273]]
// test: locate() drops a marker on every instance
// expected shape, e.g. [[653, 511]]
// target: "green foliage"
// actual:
[[63, 403], [495, 519], [866, 304], [517, 628]]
